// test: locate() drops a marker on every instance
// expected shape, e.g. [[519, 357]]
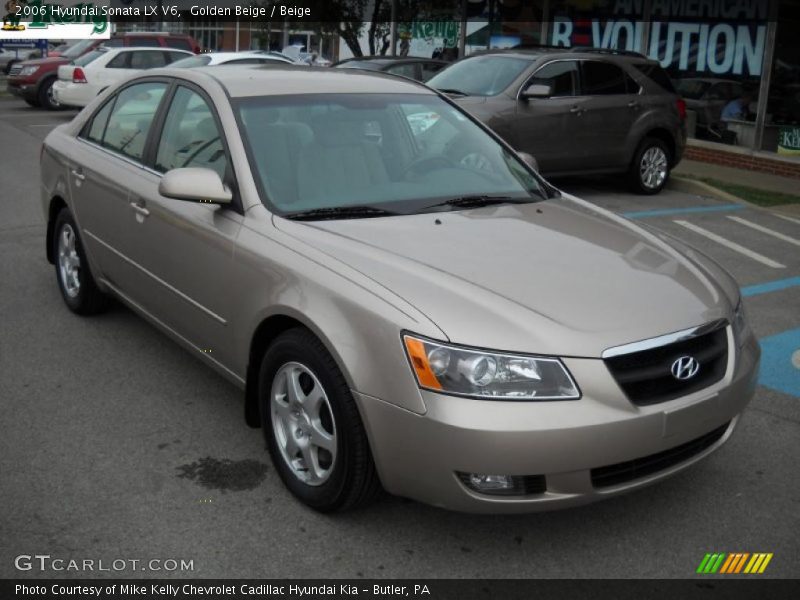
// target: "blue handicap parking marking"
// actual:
[[666, 212], [772, 286], [780, 362]]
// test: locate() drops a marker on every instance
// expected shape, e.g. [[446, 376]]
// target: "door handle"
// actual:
[[139, 207], [78, 174], [633, 104], [576, 110]]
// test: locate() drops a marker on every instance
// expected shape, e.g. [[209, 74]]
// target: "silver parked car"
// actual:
[[404, 301]]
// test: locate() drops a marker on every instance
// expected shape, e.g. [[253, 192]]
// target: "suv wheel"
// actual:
[[46, 98], [650, 168], [75, 281], [312, 426]]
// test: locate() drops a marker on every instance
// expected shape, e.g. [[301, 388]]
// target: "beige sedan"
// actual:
[[406, 304]]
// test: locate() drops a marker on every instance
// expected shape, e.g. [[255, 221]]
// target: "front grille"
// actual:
[[15, 70], [647, 465], [646, 376]]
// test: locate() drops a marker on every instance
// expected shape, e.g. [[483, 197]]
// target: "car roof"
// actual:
[[390, 59], [219, 56], [280, 79]]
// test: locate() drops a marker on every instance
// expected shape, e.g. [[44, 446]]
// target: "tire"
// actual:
[[341, 477], [33, 103], [650, 169], [45, 95], [75, 280]]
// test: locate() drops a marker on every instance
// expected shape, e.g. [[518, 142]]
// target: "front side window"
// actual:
[[403, 153], [131, 117], [480, 75], [603, 79], [190, 137], [561, 76]]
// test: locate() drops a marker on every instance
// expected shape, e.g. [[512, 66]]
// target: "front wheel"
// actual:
[[46, 96], [78, 288], [650, 169], [312, 426]]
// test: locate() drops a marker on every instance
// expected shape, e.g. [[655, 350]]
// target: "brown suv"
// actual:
[[577, 111], [32, 80]]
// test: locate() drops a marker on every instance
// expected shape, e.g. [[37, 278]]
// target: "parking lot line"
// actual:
[[663, 212], [732, 245], [778, 370], [771, 286], [785, 218], [766, 230]]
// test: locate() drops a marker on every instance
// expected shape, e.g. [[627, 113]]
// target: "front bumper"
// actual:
[[417, 456], [26, 91]]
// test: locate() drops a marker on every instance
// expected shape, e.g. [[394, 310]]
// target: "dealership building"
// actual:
[[715, 51]]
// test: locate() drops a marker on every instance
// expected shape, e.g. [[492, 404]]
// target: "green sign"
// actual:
[[428, 30], [789, 140]]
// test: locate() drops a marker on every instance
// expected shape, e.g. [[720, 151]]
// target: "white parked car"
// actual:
[[84, 78], [210, 59]]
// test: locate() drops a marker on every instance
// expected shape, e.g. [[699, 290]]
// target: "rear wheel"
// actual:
[[312, 426], [649, 171], [45, 97], [78, 288]]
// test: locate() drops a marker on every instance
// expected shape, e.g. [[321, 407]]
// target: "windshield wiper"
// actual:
[[453, 91], [479, 201], [339, 212]]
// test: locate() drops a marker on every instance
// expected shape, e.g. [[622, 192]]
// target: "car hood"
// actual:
[[557, 277], [50, 60]]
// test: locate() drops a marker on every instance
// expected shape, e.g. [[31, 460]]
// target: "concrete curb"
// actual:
[[700, 188]]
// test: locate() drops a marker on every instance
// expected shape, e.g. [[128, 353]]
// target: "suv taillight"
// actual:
[[78, 76], [680, 103]]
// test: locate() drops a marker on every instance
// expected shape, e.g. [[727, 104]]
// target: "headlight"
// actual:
[[486, 374], [739, 324], [28, 71]]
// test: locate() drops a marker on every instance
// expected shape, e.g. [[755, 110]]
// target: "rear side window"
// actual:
[[173, 56], [120, 61], [604, 79], [406, 70], [561, 76], [658, 75], [99, 121], [192, 61], [147, 59], [131, 118], [179, 43]]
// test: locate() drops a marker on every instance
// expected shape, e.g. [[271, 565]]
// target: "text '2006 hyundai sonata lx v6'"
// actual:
[[405, 302]]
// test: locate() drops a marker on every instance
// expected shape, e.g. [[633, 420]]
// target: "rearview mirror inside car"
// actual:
[[537, 90], [195, 184], [529, 160]]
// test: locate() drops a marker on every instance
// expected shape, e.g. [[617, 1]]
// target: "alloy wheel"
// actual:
[[653, 168], [69, 263], [303, 424]]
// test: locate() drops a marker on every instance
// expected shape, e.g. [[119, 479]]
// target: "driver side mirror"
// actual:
[[537, 90], [529, 160], [195, 184]]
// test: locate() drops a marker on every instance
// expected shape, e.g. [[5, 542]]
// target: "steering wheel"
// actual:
[[429, 163]]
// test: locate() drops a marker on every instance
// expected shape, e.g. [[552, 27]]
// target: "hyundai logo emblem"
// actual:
[[685, 368]]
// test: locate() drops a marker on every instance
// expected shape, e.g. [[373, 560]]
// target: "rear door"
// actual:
[[546, 127], [612, 104], [104, 167]]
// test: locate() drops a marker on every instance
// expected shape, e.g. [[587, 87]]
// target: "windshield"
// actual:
[[402, 153], [192, 61], [692, 88], [480, 75], [77, 49]]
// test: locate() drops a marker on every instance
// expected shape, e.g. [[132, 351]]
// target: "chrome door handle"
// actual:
[[576, 110], [633, 104], [139, 208], [78, 175]]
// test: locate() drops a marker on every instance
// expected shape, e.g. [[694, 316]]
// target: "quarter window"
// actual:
[[190, 136], [147, 59], [98, 126], [561, 76], [131, 118], [120, 61]]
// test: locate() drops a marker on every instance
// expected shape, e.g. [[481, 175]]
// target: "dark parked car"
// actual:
[[32, 80], [576, 112], [421, 69]]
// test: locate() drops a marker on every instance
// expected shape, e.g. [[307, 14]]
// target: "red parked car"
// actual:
[[32, 80]]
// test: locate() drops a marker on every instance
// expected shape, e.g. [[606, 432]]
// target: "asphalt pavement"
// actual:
[[117, 444]]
